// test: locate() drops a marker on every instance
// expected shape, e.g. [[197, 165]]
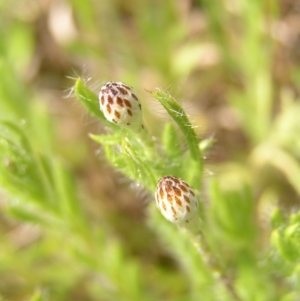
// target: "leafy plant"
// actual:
[[73, 221], [228, 223]]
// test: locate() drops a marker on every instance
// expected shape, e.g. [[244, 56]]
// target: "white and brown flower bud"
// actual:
[[176, 200], [120, 105]]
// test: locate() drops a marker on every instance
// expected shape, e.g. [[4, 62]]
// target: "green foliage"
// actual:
[[137, 156], [194, 165], [38, 296], [232, 212], [89, 100], [71, 229]]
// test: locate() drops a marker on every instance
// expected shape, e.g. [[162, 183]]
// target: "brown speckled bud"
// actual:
[[176, 200], [120, 105]]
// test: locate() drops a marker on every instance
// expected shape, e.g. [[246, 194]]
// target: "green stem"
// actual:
[[206, 253]]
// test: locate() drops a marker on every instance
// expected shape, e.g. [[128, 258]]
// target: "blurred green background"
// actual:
[[232, 64]]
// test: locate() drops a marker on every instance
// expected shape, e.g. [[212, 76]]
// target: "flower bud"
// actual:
[[120, 105], [176, 200]]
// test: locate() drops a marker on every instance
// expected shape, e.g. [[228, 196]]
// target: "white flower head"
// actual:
[[120, 105], [176, 200]]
